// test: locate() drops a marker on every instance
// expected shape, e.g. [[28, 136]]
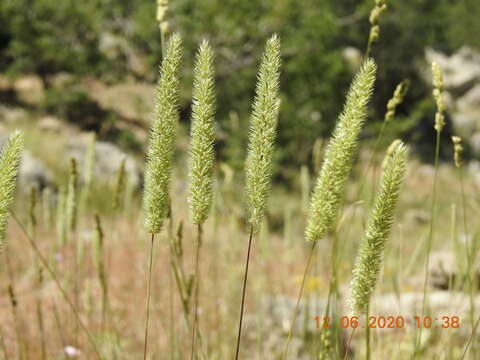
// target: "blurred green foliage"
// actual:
[[49, 36]]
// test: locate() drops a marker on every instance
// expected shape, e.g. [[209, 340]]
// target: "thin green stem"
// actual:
[[299, 298], [173, 347], [472, 335], [429, 239], [332, 287], [470, 253], [163, 42], [347, 353], [41, 325], [178, 273], [59, 286], [148, 296], [368, 52], [195, 287], [245, 277]]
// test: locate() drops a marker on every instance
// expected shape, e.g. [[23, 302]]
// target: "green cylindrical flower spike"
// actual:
[[71, 201], [162, 138], [379, 227], [457, 151], [9, 163], [202, 153], [329, 188], [397, 99], [263, 125], [438, 95]]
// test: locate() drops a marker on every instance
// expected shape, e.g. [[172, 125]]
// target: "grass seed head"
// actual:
[[202, 153], [438, 87], [9, 164], [330, 185], [379, 227], [263, 126], [398, 96], [457, 151], [162, 138]]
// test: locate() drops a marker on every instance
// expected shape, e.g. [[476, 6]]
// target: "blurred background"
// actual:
[[92, 64]]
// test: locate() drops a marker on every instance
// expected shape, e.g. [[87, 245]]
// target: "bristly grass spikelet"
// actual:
[[263, 125], [9, 164], [398, 96], [328, 191], [162, 138], [202, 157], [378, 230], [160, 152], [438, 95], [258, 167], [202, 153]]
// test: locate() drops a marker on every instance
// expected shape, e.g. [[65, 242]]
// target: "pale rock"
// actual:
[[30, 89], [107, 161]]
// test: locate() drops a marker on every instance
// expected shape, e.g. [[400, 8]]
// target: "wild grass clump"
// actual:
[[329, 188], [114, 260]]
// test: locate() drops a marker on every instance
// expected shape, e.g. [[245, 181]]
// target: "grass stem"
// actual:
[[245, 277], [472, 336], [195, 287], [347, 352], [148, 297], [429, 239], [299, 298]]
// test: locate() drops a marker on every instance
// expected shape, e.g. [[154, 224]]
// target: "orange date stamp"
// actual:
[[389, 322]]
